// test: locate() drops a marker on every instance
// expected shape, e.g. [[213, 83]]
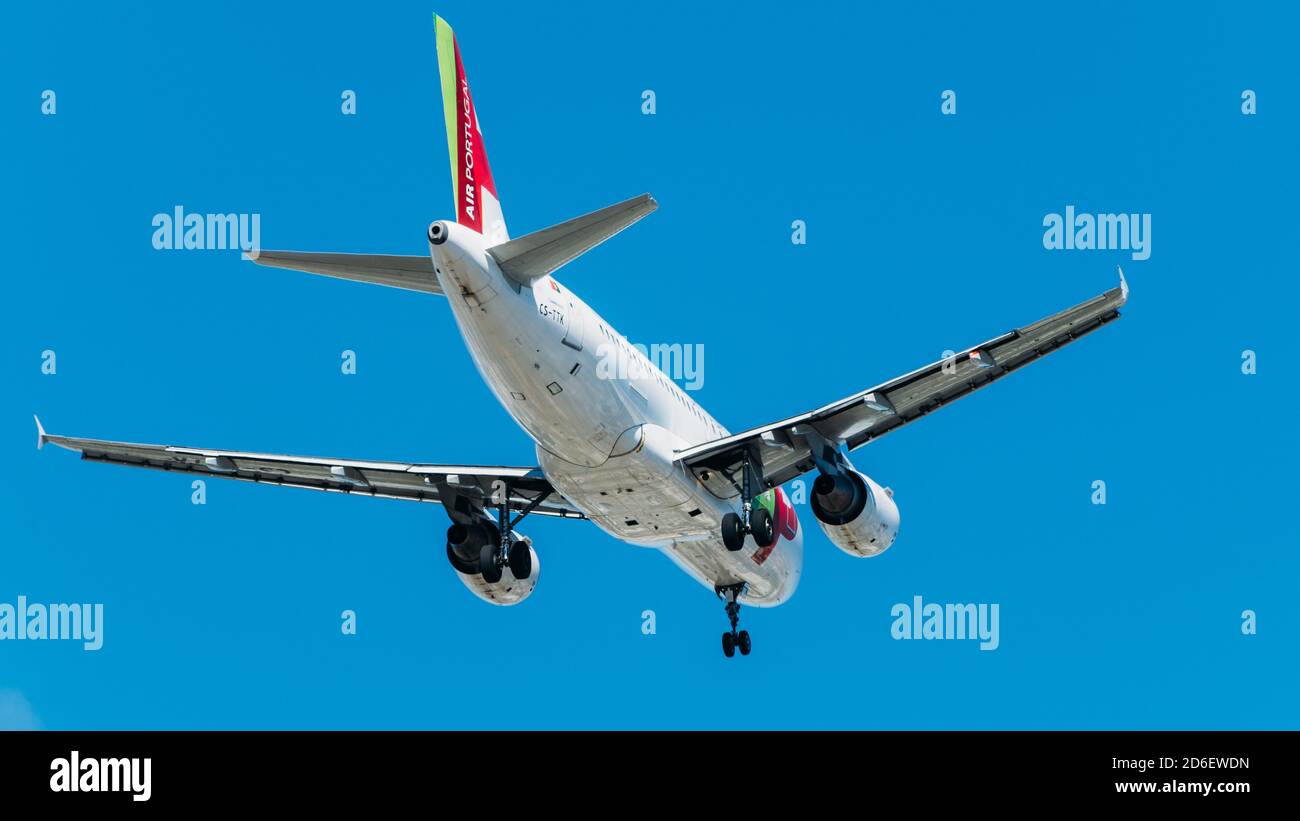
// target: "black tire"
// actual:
[[743, 642], [520, 560], [487, 564], [733, 534], [761, 526], [728, 645]]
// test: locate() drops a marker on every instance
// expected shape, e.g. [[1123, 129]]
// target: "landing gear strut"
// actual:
[[755, 521], [493, 557], [734, 638]]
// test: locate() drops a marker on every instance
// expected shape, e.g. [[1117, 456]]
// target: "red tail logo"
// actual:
[[475, 175]]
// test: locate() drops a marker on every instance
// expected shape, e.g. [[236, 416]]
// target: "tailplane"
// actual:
[[535, 255]]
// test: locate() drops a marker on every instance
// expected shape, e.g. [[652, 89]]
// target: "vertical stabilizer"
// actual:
[[477, 206]]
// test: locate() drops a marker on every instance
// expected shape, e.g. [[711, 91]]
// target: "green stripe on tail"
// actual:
[[447, 71]]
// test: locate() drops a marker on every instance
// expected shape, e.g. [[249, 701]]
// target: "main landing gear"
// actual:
[[734, 639], [487, 548], [751, 521], [495, 555]]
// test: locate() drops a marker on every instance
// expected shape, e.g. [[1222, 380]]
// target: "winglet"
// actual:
[[40, 432], [1123, 284]]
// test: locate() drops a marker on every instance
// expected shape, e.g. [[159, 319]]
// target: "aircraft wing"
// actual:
[[463, 489], [786, 448]]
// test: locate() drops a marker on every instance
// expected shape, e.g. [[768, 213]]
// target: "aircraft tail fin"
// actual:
[[475, 193]]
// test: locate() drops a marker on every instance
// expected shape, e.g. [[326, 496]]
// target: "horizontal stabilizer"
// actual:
[[409, 272], [535, 255]]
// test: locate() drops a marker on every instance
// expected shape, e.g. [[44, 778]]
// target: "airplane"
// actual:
[[630, 452]]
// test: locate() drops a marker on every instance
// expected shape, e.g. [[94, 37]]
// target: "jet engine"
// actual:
[[854, 512], [504, 586]]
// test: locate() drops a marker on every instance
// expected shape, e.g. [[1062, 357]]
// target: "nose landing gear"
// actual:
[[733, 639]]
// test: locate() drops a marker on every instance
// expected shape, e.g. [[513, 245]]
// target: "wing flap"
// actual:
[[943, 382]]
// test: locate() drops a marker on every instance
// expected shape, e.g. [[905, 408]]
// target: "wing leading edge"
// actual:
[[785, 448], [463, 489]]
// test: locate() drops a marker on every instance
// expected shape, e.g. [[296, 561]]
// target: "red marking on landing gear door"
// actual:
[[785, 522]]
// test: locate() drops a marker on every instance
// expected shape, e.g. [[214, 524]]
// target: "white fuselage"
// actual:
[[605, 435]]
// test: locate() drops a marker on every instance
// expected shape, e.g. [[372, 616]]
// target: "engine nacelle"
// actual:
[[463, 545], [855, 513]]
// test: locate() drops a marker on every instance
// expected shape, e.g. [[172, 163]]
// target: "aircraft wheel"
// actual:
[[521, 560], [728, 645], [742, 641], [487, 564], [760, 525], [733, 534]]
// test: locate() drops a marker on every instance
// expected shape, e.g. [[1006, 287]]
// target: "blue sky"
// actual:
[[924, 233]]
